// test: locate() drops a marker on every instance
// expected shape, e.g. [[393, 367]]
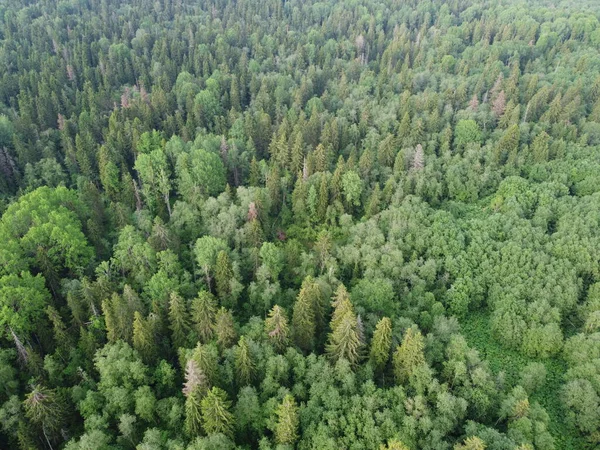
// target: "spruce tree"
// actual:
[[206, 358], [303, 318], [216, 417], [394, 444], [45, 409], [276, 326], [244, 365], [225, 328], [203, 315], [345, 337], [286, 428], [193, 412], [409, 355], [223, 276], [381, 343], [143, 336], [178, 320], [373, 205], [61, 335], [472, 443]]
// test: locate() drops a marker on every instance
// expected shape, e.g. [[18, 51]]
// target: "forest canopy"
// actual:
[[276, 225]]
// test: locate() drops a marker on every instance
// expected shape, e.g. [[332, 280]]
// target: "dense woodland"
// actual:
[[279, 224]]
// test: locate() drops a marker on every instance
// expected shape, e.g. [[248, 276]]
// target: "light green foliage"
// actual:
[[206, 250], [23, 299], [277, 329], [216, 417], [352, 186], [183, 187], [199, 173], [43, 230], [286, 429], [466, 132], [409, 356], [381, 343]]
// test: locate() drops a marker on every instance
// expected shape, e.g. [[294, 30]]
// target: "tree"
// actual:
[[199, 174], [223, 277], [225, 328], [394, 444], [23, 299], [507, 145], [345, 339], [244, 365], [143, 336], [155, 176], [216, 417], [466, 132], [286, 428], [408, 355], [381, 343], [195, 388], [277, 329], [303, 317], [206, 250], [45, 409], [43, 231], [471, 443], [178, 320], [204, 309], [352, 187]]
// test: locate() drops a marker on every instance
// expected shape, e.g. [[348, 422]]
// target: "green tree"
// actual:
[[409, 355], [225, 328], [178, 320], [216, 417], [223, 277], [286, 428], [244, 364], [45, 409], [204, 309], [381, 344], [277, 329], [206, 250]]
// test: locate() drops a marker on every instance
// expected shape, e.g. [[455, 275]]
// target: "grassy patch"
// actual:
[[476, 330]]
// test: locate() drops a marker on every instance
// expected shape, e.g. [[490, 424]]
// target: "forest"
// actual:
[[300, 224]]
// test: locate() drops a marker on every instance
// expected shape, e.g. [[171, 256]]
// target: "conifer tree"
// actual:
[[223, 276], [216, 417], [508, 143], [286, 428], [297, 154], [206, 359], [178, 320], [303, 317], [195, 388], [374, 202], [323, 201], [539, 147], [193, 413], [61, 336], [203, 315], [244, 366], [276, 326], [409, 355], [255, 176], [225, 328], [45, 409], [471, 443], [143, 336], [381, 343], [299, 196], [394, 444], [345, 337]]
